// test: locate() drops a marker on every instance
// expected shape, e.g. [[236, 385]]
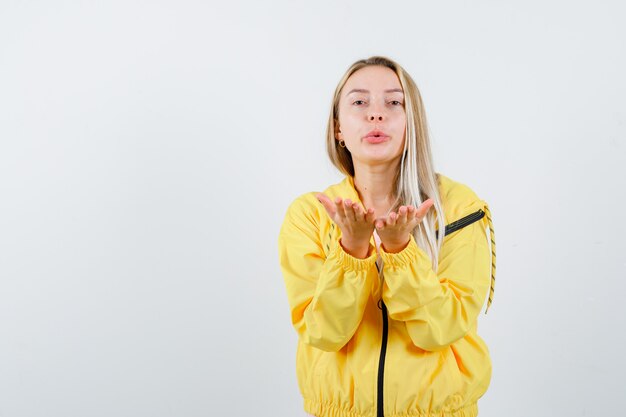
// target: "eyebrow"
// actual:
[[361, 90]]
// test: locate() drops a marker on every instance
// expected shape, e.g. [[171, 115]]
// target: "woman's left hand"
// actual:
[[394, 230]]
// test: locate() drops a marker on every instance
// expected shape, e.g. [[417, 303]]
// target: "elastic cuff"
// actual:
[[402, 258], [349, 262]]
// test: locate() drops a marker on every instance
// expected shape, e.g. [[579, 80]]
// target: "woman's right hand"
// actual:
[[355, 223]]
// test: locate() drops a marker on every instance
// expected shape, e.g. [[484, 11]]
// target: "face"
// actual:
[[371, 116]]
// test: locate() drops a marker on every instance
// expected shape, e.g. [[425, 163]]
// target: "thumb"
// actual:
[[424, 207], [327, 203]]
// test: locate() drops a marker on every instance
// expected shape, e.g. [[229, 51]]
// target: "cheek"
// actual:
[[400, 126], [349, 122]]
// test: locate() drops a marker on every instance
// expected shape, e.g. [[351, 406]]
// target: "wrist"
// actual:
[[358, 249], [396, 246]]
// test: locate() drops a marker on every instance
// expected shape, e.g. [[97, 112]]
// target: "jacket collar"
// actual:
[[344, 189], [349, 183]]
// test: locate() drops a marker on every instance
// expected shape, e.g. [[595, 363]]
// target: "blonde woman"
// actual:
[[386, 272]]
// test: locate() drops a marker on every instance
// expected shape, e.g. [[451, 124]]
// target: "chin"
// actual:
[[376, 159]]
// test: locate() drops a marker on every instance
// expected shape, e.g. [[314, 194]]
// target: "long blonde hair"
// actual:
[[416, 179]]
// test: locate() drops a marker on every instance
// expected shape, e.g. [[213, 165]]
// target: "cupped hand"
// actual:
[[355, 222], [394, 230]]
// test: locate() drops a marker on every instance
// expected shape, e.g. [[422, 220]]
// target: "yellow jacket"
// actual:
[[415, 352]]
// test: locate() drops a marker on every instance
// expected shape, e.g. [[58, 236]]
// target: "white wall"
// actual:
[[149, 151]]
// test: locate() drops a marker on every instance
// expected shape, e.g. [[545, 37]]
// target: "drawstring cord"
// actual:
[[493, 257]]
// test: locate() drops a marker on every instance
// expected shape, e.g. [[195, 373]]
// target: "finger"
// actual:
[[402, 215], [359, 215], [380, 224], [327, 203], [391, 219], [347, 206], [370, 216], [410, 217], [410, 213], [424, 207], [341, 213]]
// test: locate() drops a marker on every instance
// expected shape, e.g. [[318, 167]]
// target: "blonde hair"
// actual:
[[416, 179]]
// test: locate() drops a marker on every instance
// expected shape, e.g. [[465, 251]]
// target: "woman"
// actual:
[[385, 306]]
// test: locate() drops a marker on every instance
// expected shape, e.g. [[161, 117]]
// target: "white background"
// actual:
[[150, 149]]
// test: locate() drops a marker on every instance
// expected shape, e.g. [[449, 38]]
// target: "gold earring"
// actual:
[[342, 143]]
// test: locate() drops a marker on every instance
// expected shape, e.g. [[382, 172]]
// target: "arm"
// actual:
[[327, 293], [439, 308]]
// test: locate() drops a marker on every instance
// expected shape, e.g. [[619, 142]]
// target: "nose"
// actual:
[[375, 113]]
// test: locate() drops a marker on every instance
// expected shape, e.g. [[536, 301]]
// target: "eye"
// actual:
[[396, 103], [358, 101]]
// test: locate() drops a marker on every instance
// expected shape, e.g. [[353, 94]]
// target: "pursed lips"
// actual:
[[376, 136]]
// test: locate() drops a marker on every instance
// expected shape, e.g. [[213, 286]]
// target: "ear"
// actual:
[[339, 135]]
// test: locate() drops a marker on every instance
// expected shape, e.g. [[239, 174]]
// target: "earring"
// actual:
[[342, 143]]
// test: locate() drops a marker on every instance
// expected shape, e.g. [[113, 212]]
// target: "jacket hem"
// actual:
[[328, 410]]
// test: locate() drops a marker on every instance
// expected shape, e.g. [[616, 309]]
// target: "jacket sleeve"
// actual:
[[440, 308], [326, 293]]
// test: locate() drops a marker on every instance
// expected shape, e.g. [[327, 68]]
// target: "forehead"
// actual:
[[372, 78]]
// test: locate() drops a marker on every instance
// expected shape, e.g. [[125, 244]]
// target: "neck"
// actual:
[[375, 185]]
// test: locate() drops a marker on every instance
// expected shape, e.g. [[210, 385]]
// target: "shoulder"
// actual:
[[308, 206], [304, 207], [458, 198], [454, 190]]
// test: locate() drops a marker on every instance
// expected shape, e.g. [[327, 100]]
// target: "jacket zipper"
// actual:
[[452, 227], [464, 221], [381, 362]]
